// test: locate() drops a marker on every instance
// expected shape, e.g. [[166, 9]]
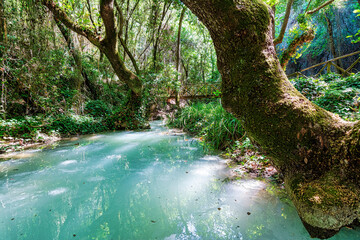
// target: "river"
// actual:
[[138, 185]]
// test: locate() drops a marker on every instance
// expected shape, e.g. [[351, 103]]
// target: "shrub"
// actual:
[[97, 108], [75, 124]]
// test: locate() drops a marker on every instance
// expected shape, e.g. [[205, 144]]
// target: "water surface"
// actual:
[[138, 185]]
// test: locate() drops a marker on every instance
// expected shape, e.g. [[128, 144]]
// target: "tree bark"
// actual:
[[339, 37], [74, 53], [317, 152], [158, 34], [122, 41]]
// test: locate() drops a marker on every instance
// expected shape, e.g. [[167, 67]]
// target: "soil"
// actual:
[[9, 145], [251, 164]]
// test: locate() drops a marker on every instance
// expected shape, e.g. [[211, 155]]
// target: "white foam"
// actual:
[[68, 162], [96, 179], [210, 158], [57, 191]]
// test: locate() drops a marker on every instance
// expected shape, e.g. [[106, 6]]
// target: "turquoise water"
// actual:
[[137, 185]]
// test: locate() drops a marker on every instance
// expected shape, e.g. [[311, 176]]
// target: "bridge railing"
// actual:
[[201, 90], [327, 65]]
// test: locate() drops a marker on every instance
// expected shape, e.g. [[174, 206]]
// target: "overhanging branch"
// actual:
[[320, 7], [65, 19]]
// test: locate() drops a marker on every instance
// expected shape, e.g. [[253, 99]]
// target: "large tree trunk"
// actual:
[[317, 151]]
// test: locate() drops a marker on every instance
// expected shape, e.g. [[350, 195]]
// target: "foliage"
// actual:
[[334, 93], [25, 127], [74, 124], [220, 129], [97, 108], [339, 14], [356, 36], [31, 127], [311, 88], [210, 122], [42, 75]]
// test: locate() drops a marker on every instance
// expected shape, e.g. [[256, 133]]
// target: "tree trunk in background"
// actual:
[[74, 53], [158, 34], [178, 54], [331, 41], [82, 76], [2, 53], [317, 152], [340, 38], [122, 23], [178, 43], [3, 31]]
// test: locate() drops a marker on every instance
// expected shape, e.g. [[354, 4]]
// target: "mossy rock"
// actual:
[[325, 204]]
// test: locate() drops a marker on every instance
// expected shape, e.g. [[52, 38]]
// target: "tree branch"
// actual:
[[320, 7], [305, 37], [64, 18], [133, 61], [121, 19], [280, 38], [108, 17], [90, 14], [308, 5]]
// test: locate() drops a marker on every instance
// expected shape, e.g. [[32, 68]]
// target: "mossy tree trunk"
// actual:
[[317, 151]]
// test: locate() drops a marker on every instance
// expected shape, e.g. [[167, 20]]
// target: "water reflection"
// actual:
[[137, 185]]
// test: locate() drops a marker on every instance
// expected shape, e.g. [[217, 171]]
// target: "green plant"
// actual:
[[336, 94], [210, 122], [97, 108]]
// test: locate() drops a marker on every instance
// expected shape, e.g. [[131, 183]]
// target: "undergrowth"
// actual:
[[98, 117], [334, 93], [210, 122]]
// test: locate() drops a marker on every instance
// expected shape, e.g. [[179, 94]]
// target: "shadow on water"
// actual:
[[138, 185]]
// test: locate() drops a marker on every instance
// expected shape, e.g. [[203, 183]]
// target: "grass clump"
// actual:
[[210, 122]]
